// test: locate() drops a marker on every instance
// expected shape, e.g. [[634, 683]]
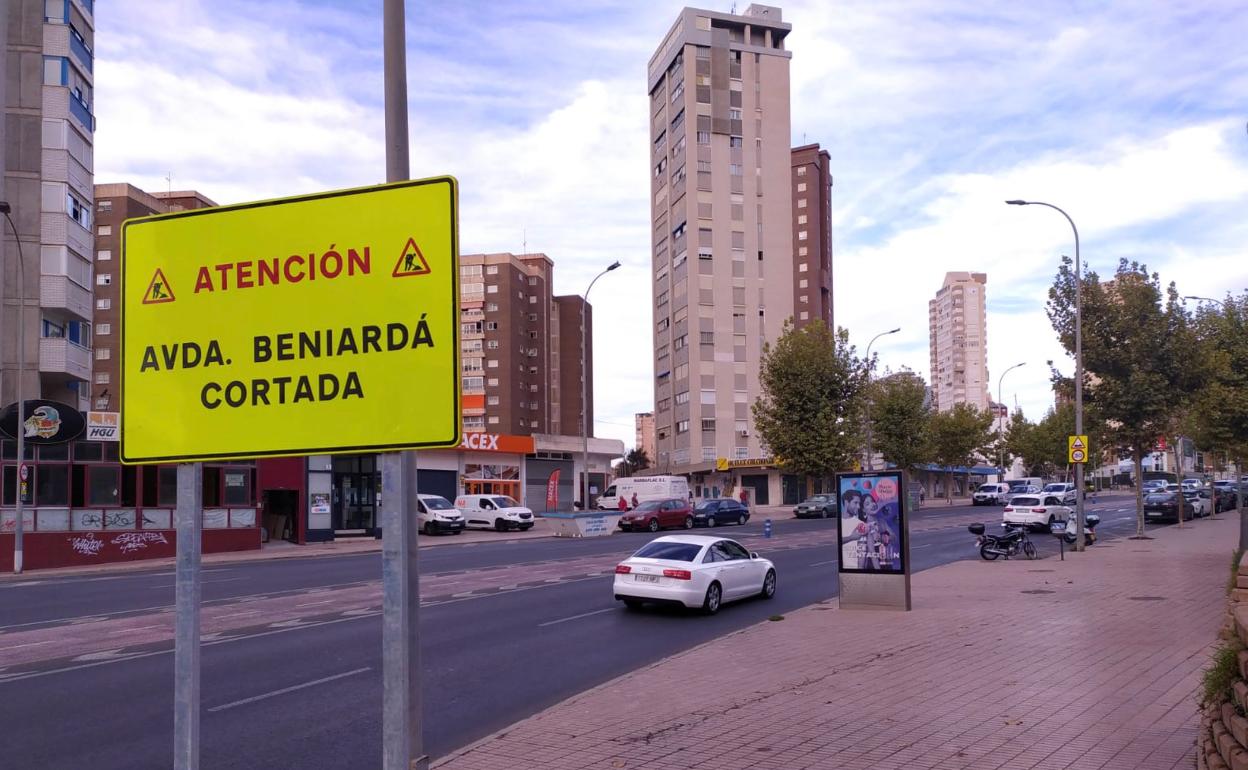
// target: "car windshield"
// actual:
[[1023, 500], [818, 499], [1018, 485], [705, 505], [649, 505], [436, 503], [668, 550], [504, 502], [1055, 488], [987, 487]]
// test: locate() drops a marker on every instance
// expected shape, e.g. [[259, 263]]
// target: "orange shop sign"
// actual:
[[497, 442]]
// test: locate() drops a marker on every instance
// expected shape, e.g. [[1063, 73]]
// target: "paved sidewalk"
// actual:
[[1091, 662]]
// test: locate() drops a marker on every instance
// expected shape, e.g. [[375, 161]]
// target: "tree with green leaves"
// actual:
[[635, 460], [901, 419], [813, 391], [1138, 356], [957, 435]]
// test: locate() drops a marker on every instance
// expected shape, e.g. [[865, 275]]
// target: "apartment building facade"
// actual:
[[48, 135], [114, 204], [645, 434], [722, 245], [812, 235], [958, 342]]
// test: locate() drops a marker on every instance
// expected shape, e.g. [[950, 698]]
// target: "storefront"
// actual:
[[82, 506], [759, 476]]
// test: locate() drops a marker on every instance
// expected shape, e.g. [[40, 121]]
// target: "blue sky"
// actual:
[[1130, 115]]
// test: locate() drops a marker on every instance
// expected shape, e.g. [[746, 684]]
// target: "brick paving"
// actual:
[[1096, 670]]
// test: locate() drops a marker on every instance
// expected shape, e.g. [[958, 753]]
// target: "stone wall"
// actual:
[[1222, 743]]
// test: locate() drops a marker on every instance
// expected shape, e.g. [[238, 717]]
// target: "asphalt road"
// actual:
[[310, 696]]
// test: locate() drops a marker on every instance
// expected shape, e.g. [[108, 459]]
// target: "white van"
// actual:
[[499, 512], [646, 488], [435, 514]]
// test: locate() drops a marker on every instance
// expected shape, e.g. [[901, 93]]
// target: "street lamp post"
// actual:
[[585, 389], [1001, 417], [870, 452], [1079, 519], [1239, 471], [5, 208]]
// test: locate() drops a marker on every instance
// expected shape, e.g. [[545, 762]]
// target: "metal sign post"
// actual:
[[188, 521]]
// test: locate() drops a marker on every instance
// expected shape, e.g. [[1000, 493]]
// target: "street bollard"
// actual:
[[767, 528]]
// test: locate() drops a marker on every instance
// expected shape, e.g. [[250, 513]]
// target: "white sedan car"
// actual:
[[693, 571], [1038, 511]]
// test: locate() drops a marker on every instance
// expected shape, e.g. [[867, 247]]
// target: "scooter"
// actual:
[[1012, 542], [1090, 520]]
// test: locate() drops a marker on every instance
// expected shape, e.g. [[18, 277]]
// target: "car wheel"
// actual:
[[429, 529], [769, 585], [741, 520], [823, 514], [688, 522], [654, 525], [500, 525], [714, 595], [633, 604], [711, 520]]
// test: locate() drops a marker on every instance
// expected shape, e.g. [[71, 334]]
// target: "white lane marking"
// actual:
[[132, 630], [28, 644], [575, 617], [313, 604], [821, 563], [202, 582], [239, 614], [917, 547], [285, 690]]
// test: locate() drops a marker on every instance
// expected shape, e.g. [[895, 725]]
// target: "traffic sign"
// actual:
[[1077, 449], [319, 324], [25, 472]]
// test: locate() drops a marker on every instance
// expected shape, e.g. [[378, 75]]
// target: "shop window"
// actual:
[[237, 486], [10, 450], [211, 487], [167, 487], [52, 485], [88, 451], [103, 484], [10, 487], [54, 452], [78, 486]]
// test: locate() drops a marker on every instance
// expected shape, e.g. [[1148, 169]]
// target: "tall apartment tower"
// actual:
[[521, 347], [114, 204], [721, 216], [645, 434], [812, 235], [958, 328], [46, 87]]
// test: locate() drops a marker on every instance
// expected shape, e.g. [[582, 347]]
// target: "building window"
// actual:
[[492, 382], [491, 308], [104, 279], [532, 318], [473, 383], [533, 300], [103, 329], [682, 426], [708, 425], [491, 401], [103, 255], [801, 235], [102, 378], [103, 354], [105, 230], [801, 171], [491, 326], [708, 454], [103, 304], [706, 338], [742, 452], [103, 206], [492, 344], [801, 268], [682, 397], [801, 203], [79, 211], [491, 289], [491, 269], [680, 342], [532, 280], [801, 187]]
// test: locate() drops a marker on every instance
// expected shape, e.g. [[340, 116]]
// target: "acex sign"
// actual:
[[497, 442]]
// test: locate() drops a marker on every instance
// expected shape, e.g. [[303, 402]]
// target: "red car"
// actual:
[[654, 515]]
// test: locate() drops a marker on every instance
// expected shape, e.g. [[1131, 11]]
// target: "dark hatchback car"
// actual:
[[1226, 495], [711, 513], [1163, 506], [816, 507]]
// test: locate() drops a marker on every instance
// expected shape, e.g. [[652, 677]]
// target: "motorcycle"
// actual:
[[1067, 529], [1010, 543]]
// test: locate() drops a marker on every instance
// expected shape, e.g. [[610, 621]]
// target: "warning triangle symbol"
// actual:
[[158, 291], [411, 261], [1077, 443]]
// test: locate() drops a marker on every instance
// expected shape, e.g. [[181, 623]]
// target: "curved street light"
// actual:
[[870, 453], [1079, 519], [1001, 417], [585, 389]]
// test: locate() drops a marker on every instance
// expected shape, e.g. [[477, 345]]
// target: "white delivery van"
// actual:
[[435, 514], [646, 488], [499, 512]]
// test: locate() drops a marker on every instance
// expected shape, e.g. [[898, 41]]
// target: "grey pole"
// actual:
[[585, 389], [188, 521], [1001, 418], [21, 403], [870, 453], [1078, 366], [402, 739]]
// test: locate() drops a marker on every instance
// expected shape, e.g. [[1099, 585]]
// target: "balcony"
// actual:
[[57, 355], [82, 113], [59, 292], [78, 47]]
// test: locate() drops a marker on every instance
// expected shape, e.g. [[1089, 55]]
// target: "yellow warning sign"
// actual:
[[289, 336], [411, 261], [1077, 449], [158, 291]]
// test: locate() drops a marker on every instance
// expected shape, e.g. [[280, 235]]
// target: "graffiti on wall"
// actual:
[[125, 542]]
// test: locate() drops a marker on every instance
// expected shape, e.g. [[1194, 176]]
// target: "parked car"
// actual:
[[1190, 484], [1153, 485], [658, 514], [816, 507], [1035, 511], [1163, 505], [1022, 487], [435, 514], [1199, 502], [693, 571], [1226, 495], [1062, 490], [645, 488], [499, 512], [991, 494], [720, 510]]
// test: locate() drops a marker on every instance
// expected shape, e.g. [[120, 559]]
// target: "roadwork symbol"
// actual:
[[411, 262], [158, 291]]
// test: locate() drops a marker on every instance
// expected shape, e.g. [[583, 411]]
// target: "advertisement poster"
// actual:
[[320, 503], [872, 525], [552, 491]]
